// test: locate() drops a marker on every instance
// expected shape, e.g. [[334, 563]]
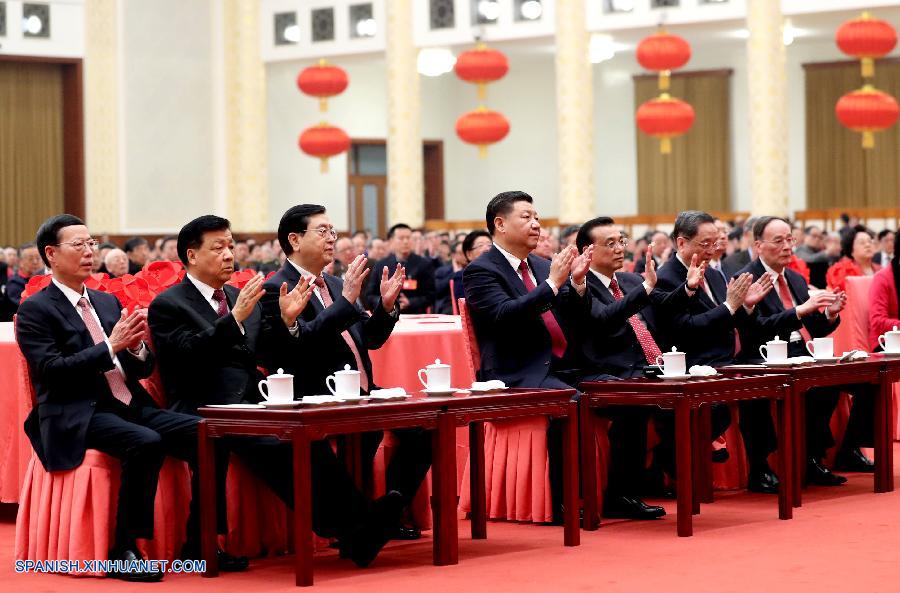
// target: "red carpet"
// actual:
[[843, 539]]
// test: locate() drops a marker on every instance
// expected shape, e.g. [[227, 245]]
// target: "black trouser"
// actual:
[[820, 405], [758, 431], [141, 437], [408, 465], [337, 505], [861, 426], [664, 451]]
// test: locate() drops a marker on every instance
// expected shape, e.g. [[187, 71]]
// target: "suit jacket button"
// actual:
[[547, 363], [93, 404]]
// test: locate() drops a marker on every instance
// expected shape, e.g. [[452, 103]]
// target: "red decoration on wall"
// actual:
[[867, 110], [665, 117], [323, 80], [482, 127], [663, 52], [866, 38], [324, 141]]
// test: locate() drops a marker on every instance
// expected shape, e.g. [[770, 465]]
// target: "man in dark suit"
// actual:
[[791, 313], [335, 332], [211, 338], [30, 264], [704, 328], [418, 287], [737, 260], [524, 309], [661, 247], [138, 251], [86, 356]]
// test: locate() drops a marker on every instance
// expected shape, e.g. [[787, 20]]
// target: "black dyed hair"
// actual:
[[469, 242], [191, 235], [847, 240], [48, 232], [296, 220], [584, 233], [397, 227], [502, 204], [133, 243]]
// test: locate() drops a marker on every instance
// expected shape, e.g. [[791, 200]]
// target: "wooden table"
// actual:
[[876, 370], [691, 401], [440, 415]]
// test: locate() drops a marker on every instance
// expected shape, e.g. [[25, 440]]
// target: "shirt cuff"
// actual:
[[142, 352], [294, 330], [647, 287], [728, 306], [553, 286], [239, 324], [579, 288], [831, 317]]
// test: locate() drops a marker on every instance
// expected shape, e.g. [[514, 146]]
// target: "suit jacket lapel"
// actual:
[[507, 271], [69, 313], [198, 303], [600, 291], [712, 278]]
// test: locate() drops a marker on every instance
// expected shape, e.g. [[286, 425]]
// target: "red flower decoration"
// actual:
[[837, 274], [162, 274], [137, 293], [35, 285], [799, 266], [97, 281], [242, 277]]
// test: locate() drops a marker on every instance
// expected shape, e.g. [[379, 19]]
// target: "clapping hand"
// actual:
[[129, 331], [820, 299], [650, 269], [758, 291], [840, 301], [581, 264], [737, 290], [355, 278], [695, 273], [248, 297], [294, 301], [561, 265], [391, 287]]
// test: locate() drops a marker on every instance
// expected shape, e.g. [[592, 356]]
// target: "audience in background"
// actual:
[[885, 251], [138, 251], [662, 249], [30, 264], [545, 245], [737, 260], [857, 250], [417, 295], [168, 248], [116, 263]]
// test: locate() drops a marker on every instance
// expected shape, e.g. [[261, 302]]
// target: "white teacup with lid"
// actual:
[[437, 376], [890, 341], [280, 388], [821, 347], [671, 363], [343, 383], [774, 350]]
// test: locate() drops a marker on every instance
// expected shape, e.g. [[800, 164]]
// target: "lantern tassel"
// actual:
[[482, 151], [664, 78], [323, 104], [482, 91], [323, 167], [868, 67], [665, 145], [868, 140]]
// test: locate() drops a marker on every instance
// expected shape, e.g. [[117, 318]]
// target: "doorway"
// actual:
[[367, 184]]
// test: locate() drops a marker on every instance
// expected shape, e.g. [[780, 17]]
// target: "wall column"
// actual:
[[574, 114], [768, 109], [243, 117], [406, 199], [101, 115]]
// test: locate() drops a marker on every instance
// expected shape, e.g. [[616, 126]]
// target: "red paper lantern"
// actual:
[[482, 127], [663, 52], [481, 66], [324, 141], [867, 110], [866, 38], [322, 80], [665, 117]]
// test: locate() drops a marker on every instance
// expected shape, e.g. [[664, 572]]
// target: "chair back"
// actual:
[[858, 288], [23, 364], [453, 305], [474, 355]]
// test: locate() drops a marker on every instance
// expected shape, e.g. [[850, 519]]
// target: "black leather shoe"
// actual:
[[853, 460], [129, 555], [818, 474], [364, 543], [762, 480], [227, 562], [720, 455], [405, 532], [630, 507]]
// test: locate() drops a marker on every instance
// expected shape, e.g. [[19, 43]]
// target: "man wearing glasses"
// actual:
[[86, 356], [705, 328], [333, 332]]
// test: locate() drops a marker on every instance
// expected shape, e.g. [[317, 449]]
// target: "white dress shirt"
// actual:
[[73, 297], [606, 280], [207, 292], [304, 274]]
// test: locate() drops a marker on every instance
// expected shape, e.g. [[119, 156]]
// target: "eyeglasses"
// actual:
[[80, 244], [612, 243], [706, 245], [782, 241], [322, 232]]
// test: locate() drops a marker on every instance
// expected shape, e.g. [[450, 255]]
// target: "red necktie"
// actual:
[[326, 299], [113, 377], [219, 297], [557, 338], [648, 344], [787, 302]]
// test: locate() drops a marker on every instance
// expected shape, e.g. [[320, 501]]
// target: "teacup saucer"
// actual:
[[488, 390], [891, 353], [349, 399], [237, 406], [827, 358], [279, 405], [681, 377], [441, 392], [779, 363]]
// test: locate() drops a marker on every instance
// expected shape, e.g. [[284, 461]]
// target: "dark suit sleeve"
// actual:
[[172, 331], [681, 318], [485, 293], [333, 320], [424, 296], [613, 315], [134, 367], [46, 360], [377, 328], [442, 277]]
